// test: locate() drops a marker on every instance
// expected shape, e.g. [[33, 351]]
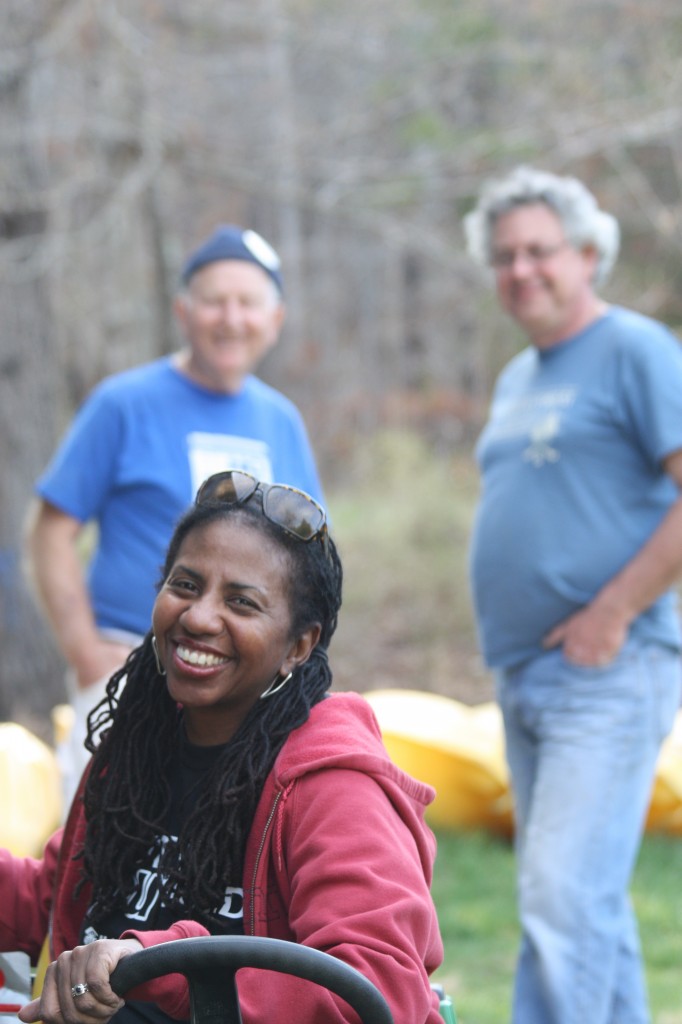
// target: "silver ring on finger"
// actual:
[[80, 989]]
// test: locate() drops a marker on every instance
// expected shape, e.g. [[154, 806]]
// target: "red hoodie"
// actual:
[[338, 858]]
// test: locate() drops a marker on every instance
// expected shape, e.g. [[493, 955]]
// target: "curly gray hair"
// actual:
[[575, 206]]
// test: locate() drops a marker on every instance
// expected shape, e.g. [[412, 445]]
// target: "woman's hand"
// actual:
[[85, 968]]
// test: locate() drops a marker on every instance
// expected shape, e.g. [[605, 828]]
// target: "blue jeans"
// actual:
[[582, 746]]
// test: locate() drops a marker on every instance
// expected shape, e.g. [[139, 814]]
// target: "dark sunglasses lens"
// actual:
[[230, 487], [293, 511]]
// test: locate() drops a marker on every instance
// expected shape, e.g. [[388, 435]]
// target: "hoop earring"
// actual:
[[159, 667], [275, 686]]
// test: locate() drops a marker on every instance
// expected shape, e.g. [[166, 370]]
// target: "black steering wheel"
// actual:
[[209, 964]]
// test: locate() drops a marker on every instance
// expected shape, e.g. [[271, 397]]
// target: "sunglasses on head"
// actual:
[[294, 511]]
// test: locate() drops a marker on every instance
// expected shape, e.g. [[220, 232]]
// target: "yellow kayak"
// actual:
[[459, 750], [30, 807]]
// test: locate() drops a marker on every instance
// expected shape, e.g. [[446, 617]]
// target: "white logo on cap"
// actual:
[[261, 250]]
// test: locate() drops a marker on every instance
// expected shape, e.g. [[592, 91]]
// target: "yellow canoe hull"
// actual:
[[459, 750], [30, 788]]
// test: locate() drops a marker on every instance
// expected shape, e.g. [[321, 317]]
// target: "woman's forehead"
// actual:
[[235, 539]]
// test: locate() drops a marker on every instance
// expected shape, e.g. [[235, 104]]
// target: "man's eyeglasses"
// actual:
[[294, 511], [502, 259]]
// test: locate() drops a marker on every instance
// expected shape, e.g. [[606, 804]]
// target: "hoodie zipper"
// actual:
[[261, 846]]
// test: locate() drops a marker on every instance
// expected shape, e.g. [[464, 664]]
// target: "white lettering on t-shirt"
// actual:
[[538, 416], [214, 453]]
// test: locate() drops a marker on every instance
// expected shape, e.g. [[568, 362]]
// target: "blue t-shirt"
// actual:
[[134, 457], [572, 481]]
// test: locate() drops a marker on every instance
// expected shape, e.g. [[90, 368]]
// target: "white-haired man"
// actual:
[[576, 546]]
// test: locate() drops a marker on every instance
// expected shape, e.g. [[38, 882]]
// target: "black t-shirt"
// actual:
[[145, 908]]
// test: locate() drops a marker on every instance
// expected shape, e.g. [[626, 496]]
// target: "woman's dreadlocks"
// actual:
[[134, 736]]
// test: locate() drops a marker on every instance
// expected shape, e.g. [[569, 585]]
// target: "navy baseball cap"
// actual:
[[229, 242]]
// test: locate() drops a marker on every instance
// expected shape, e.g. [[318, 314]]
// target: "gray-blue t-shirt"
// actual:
[[572, 481]]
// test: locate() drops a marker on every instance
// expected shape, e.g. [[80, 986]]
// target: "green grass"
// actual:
[[474, 893]]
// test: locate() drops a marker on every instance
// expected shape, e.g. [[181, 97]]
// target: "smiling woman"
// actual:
[[229, 792], [223, 630]]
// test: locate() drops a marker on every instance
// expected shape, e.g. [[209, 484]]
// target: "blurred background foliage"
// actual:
[[353, 136]]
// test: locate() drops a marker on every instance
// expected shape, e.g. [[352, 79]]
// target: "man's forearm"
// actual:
[[655, 568], [55, 570]]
